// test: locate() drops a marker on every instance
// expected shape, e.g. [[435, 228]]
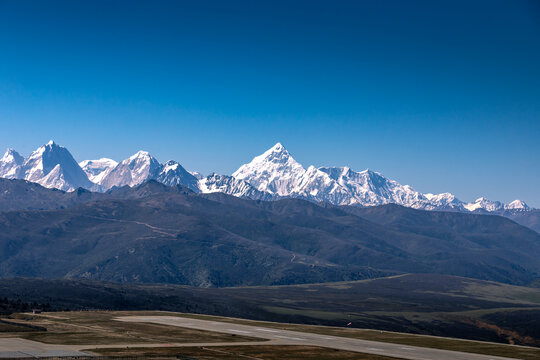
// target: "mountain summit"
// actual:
[[141, 167], [272, 175], [10, 164], [134, 170], [50, 165], [172, 174], [275, 171]]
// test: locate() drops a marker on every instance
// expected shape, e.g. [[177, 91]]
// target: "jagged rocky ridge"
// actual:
[[50, 165], [272, 175], [277, 173]]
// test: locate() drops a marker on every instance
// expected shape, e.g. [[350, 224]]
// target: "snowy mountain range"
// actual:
[[272, 175], [50, 165], [276, 172]]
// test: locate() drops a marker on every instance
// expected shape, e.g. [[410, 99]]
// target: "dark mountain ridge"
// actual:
[[158, 233]]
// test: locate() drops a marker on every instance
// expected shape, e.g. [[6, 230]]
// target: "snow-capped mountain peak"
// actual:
[[142, 166], [368, 188], [141, 154], [96, 170], [52, 165], [275, 171], [10, 164], [517, 205], [101, 162], [12, 156], [272, 175], [172, 174], [229, 185], [132, 171], [445, 201], [44, 158], [277, 154], [484, 204], [169, 166]]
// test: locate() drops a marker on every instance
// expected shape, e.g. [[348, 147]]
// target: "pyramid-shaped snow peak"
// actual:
[[275, 171], [11, 164], [53, 166], [132, 171]]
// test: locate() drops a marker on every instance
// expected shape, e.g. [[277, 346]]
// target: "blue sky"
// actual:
[[441, 95]]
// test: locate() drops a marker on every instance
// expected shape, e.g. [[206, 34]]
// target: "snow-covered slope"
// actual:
[[316, 185], [517, 205], [272, 175], [96, 170], [444, 201], [141, 167], [483, 204], [368, 188], [197, 174], [11, 164], [172, 173], [132, 171], [276, 172], [232, 186], [52, 166]]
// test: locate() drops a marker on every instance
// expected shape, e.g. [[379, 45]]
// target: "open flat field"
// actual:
[[420, 304], [98, 332], [436, 342], [266, 352], [84, 327]]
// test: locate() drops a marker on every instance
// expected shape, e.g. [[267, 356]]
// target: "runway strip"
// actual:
[[303, 338], [21, 348], [13, 348]]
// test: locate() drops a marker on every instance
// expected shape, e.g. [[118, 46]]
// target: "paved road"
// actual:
[[13, 348], [303, 338]]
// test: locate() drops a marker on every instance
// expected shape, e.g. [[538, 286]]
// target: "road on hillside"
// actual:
[[304, 338]]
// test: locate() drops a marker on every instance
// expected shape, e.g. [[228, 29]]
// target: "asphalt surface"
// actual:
[[303, 338], [13, 348]]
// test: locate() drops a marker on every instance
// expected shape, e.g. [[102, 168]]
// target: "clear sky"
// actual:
[[441, 95]]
